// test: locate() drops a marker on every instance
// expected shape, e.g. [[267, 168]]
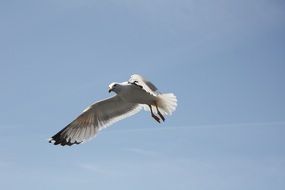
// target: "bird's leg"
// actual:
[[160, 115], [154, 116]]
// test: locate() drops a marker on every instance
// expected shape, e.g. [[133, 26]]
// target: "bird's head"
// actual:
[[114, 87]]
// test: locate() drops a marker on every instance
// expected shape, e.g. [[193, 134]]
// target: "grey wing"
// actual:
[[93, 119], [145, 84], [150, 85]]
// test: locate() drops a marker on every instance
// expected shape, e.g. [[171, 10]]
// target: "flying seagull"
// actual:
[[130, 98]]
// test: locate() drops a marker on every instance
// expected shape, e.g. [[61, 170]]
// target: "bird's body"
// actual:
[[130, 97], [135, 94]]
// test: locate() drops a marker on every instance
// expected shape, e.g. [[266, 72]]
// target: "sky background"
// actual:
[[224, 59]]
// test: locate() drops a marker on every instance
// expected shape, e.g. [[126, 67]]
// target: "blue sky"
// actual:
[[223, 59]]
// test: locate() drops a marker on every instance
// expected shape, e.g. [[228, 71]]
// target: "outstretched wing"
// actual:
[[93, 119], [145, 84]]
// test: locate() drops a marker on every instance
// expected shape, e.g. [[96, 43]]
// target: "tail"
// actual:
[[167, 103]]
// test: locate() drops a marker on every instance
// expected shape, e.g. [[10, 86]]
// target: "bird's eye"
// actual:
[[115, 85]]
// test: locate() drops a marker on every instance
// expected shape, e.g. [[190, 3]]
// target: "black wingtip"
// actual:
[[63, 142], [59, 140]]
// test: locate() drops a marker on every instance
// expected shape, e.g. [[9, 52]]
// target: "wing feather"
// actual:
[[93, 119], [145, 84]]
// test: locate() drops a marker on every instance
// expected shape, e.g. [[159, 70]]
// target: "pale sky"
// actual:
[[224, 60]]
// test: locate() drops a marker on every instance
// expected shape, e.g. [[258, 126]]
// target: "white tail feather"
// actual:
[[167, 103]]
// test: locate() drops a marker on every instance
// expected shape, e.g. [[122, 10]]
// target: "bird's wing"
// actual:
[[145, 84], [93, 119]]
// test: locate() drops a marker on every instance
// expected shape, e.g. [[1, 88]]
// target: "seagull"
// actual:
[[130, 97]]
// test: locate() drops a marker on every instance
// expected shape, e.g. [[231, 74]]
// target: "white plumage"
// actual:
[[130, 97]]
